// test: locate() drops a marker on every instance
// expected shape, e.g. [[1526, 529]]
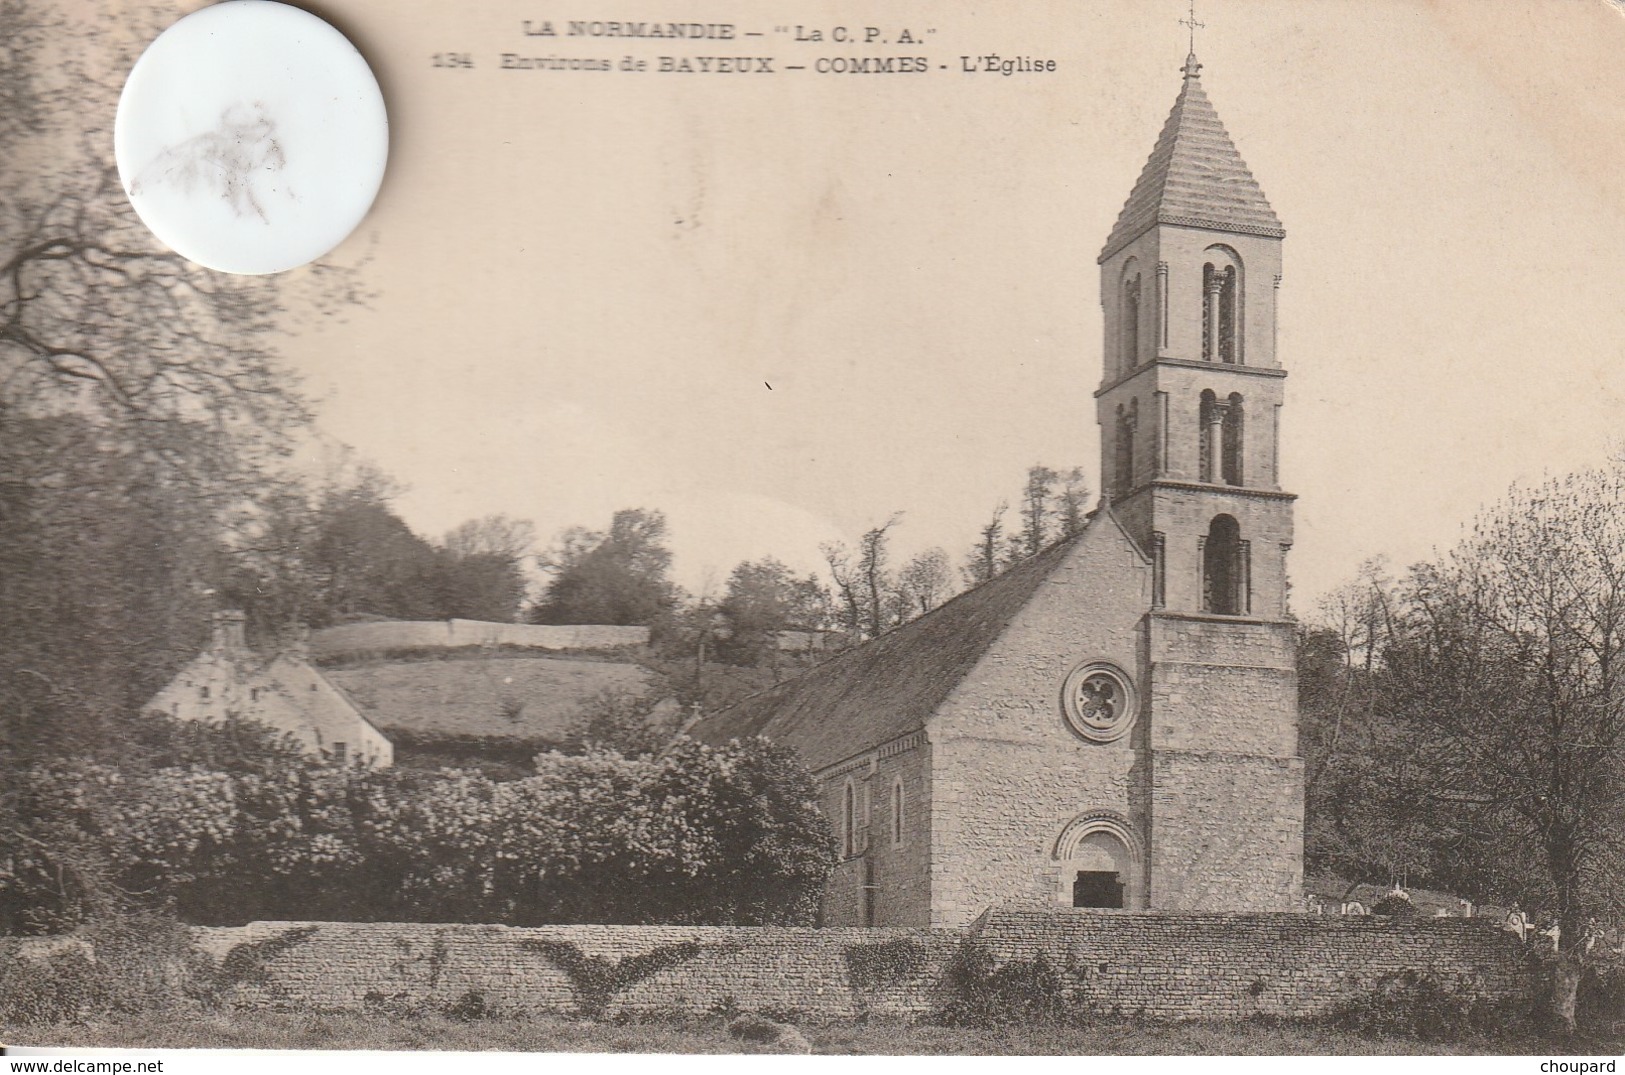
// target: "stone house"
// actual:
[[1113, 722], [228, 680]]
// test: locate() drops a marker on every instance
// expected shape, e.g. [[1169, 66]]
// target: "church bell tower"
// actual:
[[1189, 408]]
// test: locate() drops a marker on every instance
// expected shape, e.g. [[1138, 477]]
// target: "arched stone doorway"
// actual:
[[1100, 863]]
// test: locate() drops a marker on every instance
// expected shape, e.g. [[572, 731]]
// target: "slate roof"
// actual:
[[1194, 177], [887, 687]]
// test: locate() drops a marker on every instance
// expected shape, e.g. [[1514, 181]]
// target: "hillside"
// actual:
[[513, 697]]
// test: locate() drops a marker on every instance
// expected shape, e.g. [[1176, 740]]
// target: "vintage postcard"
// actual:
[[1081, 526]]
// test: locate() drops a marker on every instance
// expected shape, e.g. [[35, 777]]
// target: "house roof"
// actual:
[[1194, 177], [889, 686]]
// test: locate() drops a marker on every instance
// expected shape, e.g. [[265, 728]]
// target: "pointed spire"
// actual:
[[1194, 176]]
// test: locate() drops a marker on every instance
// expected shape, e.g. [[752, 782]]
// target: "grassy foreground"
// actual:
[[269, 1030]]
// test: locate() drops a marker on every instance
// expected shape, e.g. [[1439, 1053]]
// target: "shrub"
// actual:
[[469, 1007], [1400, 906], [70, 986], [721, 835], [760, 1030], [1018, 993], [122, 964], [887, 963], [1601, 1001], [1418, 1004], [597, 981]]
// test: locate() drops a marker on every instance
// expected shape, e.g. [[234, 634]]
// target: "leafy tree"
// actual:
[[1366, 803], [865, 588], [763, 598], [1051, 508], [369, 562], [616, 577], [143, 412], [482, 568], [765, 849], [105, 565], [635, 724]]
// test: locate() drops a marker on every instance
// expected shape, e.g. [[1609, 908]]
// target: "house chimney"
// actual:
[[228, 632]]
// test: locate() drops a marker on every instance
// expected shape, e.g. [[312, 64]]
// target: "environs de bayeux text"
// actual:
[[725, 48]]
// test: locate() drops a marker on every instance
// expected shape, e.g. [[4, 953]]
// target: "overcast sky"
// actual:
[[587, 282]]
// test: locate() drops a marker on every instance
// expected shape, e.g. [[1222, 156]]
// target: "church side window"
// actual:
[[1232, 440], [849, 821], [897, 812]]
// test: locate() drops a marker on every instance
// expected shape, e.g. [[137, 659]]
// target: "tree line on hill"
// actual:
[[622, 575]]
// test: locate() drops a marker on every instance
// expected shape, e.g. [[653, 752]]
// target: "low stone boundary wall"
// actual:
[[361, 639], [597, 970], [1222, 966], [1151, 965]]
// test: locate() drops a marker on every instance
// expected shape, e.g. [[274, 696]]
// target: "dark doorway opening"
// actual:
[[1097, 888], [1223, 568]]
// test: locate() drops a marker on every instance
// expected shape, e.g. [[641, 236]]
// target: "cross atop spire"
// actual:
[[1190, 21]]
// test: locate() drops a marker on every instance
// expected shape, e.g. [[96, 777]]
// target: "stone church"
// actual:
[[1113, 722]]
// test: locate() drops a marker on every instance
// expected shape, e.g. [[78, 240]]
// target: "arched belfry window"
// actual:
[[1231, 435], [1209, 434], [1130, 311], [1128, 418], [1225, 569], [1221, 306]]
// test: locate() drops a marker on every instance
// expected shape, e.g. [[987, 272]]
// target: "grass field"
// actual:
[[267, 1030], [500, 696]]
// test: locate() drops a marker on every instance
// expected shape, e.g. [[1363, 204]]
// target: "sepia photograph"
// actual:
[[1081, 527]]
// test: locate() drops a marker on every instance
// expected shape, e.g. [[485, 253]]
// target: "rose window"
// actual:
[[1098, 702]]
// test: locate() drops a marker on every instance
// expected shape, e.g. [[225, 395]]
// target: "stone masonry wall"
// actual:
[[896, 864], [351, 966], [1235, 966], [1157, 964], [1226, 832], [1226, 784]]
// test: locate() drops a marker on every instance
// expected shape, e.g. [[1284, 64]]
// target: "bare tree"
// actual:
[[985, 560], [492, 535], [923, 582], [1035, 509], [1071, 502], [1507, 661]]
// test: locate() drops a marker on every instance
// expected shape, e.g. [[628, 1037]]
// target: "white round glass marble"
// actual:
[[251, 137]]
